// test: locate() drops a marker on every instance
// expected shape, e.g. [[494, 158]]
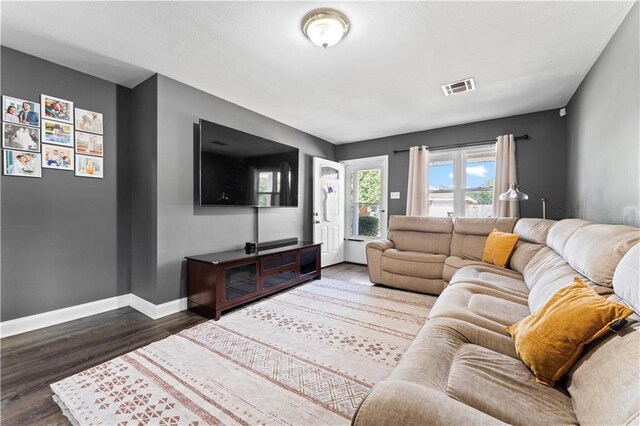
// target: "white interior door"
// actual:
[[328, 209], [366, 204]]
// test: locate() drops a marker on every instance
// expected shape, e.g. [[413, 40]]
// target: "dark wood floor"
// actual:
[[30, 362]]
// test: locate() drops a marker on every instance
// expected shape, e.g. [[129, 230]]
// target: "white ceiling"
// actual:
[[384, 78]]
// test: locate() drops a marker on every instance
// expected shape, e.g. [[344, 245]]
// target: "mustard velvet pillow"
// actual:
[[499, 247], [550, 341]]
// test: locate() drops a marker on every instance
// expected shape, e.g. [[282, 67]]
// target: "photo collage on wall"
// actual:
[[45, 135]]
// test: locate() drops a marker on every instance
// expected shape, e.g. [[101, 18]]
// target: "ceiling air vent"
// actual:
[[461, 86]]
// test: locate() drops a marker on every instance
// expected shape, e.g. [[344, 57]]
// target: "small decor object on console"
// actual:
[[19, 163], [25, 138], [56, 109], [87, 166], [551, 340], [20, 111], [57, 133], [89, 144], [57, 157], [88, 121]]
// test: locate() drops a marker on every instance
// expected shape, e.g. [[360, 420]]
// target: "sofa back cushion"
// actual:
[[548, 272], [533, 236], [421, 234], [595, 250], [560, 233], [626, 278], [470, 234]]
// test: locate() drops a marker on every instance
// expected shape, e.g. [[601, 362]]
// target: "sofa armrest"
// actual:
[[374, 256], [396, 402], [381, 244]]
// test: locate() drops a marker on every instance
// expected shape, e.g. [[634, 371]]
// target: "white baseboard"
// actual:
[[157, 311], [46, 319]]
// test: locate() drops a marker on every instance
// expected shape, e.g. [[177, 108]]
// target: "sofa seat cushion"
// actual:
[[500, 279], [457, 363], [398, 402], [413, 263], [454, 263], [485, 307], [504, 388], [428, 360]]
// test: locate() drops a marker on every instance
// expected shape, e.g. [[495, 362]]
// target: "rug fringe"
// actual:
[[63, 407]]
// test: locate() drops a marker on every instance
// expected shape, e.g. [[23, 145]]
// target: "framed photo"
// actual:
[[53, 108], [87, 166], [20, 163], [57, 157], [57, 133], [89, 144], [20, 111], [88, 121], [25, 138]]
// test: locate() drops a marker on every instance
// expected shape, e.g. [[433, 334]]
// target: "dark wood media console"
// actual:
[[220, 281]]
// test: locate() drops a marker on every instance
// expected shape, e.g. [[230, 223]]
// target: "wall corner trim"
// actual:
[[58, 316]]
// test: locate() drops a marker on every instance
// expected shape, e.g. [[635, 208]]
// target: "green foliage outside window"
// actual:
[[368, 226], [483, 197]]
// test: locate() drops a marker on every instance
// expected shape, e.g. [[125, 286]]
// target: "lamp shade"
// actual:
[[325, 27], [513, 194]]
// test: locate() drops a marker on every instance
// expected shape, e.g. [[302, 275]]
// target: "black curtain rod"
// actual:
[[460, 145]]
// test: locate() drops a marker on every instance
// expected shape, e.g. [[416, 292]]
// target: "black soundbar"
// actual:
[[266, 245], [253, 247]]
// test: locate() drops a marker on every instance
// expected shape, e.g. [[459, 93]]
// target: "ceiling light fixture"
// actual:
[[325, 27]]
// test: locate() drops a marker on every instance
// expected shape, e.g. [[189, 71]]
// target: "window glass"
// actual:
[[461, 182], [366, 196], [441, 174], [480, 171]]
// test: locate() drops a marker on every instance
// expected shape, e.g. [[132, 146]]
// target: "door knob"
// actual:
[[317, 222]]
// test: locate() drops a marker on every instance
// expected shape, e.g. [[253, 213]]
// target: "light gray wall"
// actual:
[[541, 159], [603, 184], [186, 229], [61, 240], [143, 171]]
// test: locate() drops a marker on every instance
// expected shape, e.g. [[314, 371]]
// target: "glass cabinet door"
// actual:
[[240, 281], [308, 261]]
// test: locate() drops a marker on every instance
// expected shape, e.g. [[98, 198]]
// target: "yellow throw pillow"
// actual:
[[499, 247], [551, 340]]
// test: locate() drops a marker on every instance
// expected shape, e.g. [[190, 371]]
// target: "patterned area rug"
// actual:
[[305, 356]]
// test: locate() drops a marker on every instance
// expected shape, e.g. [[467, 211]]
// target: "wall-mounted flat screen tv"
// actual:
[[241, 169]]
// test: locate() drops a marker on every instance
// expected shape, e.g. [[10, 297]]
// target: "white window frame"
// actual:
[[459, 157]]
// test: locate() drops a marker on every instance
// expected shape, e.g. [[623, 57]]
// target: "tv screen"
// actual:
[[241, 169]]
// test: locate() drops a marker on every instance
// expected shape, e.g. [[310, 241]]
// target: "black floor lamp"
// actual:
[[515, 194]]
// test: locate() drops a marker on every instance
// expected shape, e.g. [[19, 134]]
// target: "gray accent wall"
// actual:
[[603, 163], [541, 159], [65, 239], [184, 228]]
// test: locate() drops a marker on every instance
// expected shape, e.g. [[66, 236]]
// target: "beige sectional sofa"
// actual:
[[422, 253], [462, 367]]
